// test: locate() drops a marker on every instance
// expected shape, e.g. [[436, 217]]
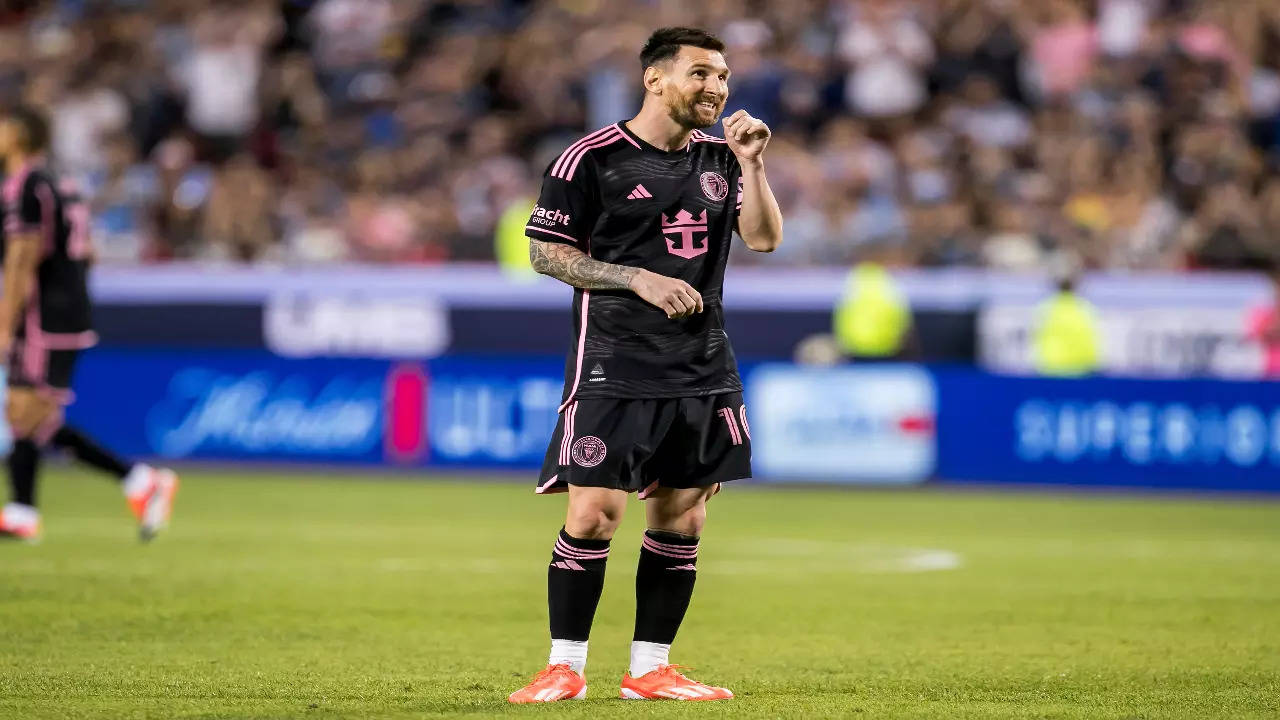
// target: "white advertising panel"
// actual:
[[873, 424], [1164, 341], [303, 324]]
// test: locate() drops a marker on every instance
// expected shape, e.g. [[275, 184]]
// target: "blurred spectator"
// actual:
[[1122, 25], [757, 79], [237, 222], [123, 198], [1064, 45], [220, 75], [82, 118], [350, 42], [888, 50], [986, 119], [1129, 133]]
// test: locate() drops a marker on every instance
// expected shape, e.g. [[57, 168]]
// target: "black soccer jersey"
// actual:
[[624, 201], [34, 200]]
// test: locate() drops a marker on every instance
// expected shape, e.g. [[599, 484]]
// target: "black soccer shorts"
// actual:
[[640, 445], [45, 370]]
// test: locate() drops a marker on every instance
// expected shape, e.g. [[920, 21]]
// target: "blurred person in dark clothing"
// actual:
[[238, 219], [45, 323], [1226, 232]]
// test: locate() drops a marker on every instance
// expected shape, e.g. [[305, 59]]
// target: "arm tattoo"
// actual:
[[570, 265]]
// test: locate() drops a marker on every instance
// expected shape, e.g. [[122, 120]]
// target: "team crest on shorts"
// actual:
[[714, 186], [589, 451]]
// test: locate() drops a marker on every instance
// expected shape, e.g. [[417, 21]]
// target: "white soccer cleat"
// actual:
[[151, 492], [20, 522]]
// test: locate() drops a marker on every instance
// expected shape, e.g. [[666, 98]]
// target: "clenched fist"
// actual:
[[747, 136]]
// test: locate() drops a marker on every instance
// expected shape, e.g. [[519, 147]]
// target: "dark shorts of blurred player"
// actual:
[[39, 387]]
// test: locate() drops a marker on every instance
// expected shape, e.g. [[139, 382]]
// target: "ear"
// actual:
[[653, 79]]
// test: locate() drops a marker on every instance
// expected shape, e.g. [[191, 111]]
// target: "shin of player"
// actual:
[[44, 325]]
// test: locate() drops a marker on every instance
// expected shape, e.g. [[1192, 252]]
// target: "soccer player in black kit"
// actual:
[[44, 324], [639, 216]]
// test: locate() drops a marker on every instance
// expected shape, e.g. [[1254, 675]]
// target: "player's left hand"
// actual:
[[746, 135]]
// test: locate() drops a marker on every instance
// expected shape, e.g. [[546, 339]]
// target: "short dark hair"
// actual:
[[35, 128], [665, 43]]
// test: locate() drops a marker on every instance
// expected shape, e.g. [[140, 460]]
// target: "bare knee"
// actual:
[[27, 411], [595, 516], [679, 511], [690, 522]]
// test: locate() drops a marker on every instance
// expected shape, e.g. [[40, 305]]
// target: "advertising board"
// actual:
[[872, 424], [1190, 434]]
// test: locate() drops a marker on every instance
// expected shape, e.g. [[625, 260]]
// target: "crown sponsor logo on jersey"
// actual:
[[686, 234], [589, 451], [639, 193], [545, 216], [714, 186]]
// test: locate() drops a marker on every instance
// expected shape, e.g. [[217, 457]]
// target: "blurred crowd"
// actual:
[[999, 133]]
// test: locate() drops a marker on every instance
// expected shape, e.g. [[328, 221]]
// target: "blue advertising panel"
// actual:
[[232, 405], [889, 423], [1190, 434], [254, 405], [494, 412]]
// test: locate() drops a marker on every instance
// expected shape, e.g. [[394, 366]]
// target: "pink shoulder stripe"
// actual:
[[604, 140], [552, 232], [626, 136], [563, 161]]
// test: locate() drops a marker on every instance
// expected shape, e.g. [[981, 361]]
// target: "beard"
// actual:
[[686, 113]]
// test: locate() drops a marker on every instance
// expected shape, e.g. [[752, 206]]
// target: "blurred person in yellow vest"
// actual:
[[511, 246], [1067, 341], [873, 319]]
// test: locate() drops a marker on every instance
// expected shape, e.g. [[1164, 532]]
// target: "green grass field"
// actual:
[[285, 596]]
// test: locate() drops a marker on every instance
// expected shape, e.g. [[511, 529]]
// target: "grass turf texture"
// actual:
[[295, 597]]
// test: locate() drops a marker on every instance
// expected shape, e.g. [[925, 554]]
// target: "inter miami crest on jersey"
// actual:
[[624, 201]]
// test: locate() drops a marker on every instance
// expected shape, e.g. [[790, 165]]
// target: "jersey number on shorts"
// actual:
[[731, 420]]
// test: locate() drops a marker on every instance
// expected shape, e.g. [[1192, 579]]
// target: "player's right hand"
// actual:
[[675, 297]]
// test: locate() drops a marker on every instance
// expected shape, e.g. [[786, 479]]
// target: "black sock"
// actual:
[[664, 584], [89, 452], [574, 582], [23, 461]]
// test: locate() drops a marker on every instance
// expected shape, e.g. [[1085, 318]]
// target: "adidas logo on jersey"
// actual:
[[597, 370], [639, 193]]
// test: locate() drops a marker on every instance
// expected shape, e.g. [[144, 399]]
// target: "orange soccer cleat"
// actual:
[[557, 682], [667, 683], [151, 498]]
